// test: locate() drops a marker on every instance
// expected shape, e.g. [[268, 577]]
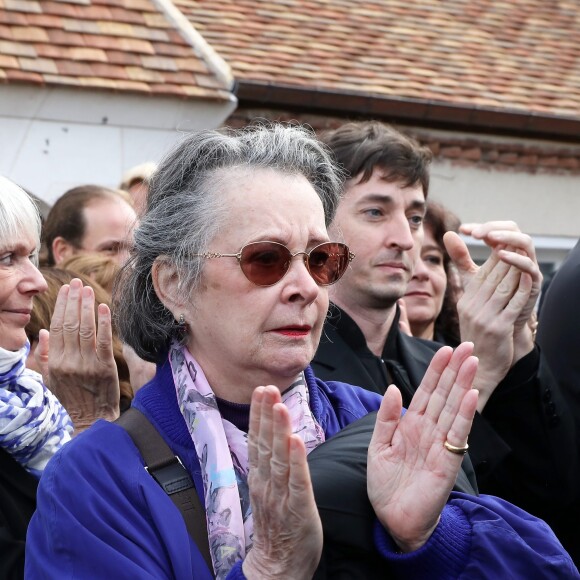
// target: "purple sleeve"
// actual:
[[482, 537], [445, 554]]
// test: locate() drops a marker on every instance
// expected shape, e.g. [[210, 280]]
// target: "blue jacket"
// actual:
[[100, 514]]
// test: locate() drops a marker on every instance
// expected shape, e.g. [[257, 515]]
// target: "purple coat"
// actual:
[[100, 514]]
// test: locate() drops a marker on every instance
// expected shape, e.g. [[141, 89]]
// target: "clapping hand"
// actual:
[[498, 299], [287, 528], [410, 472], [77, 357]]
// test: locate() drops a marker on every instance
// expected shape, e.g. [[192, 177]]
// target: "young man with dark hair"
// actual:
[[515, 437]]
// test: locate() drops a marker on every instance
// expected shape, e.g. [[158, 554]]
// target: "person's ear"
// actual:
[[166, 282], [61, 250]]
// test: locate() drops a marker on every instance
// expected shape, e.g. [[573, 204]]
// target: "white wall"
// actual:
[[52, 139], [542, 204], [546, 206]]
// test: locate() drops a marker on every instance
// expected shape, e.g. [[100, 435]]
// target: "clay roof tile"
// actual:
[[455, 50], [122, 45]]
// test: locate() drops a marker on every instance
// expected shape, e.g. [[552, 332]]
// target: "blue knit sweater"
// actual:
[[100, 514]]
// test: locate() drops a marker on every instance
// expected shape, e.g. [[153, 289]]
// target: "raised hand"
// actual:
[[404, 325], [515, 248], [287, 528], [498, 299], [81, 368], [410, 473]]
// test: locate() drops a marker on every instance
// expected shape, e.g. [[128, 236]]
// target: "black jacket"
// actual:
[[559, 341], [559, 325], [523, 445], [17, 504], [345, 510]]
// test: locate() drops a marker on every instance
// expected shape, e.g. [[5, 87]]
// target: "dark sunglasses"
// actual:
[[265, 263]]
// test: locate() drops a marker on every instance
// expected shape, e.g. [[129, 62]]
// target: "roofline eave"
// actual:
[[428, 112]]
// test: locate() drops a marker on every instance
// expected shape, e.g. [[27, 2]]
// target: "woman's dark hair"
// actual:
[[439, 220]]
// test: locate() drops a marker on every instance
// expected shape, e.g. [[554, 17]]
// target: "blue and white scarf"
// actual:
[[33, 423]]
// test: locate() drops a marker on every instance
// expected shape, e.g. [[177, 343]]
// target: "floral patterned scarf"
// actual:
[[33, 424], [222, 450]]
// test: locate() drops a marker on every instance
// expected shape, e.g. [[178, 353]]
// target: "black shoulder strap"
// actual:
[[168, 471]]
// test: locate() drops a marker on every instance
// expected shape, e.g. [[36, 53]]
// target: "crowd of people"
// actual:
[[282, 363]]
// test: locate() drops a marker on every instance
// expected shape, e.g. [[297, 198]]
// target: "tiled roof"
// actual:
[[536, 156], [521, 56], [124, 45]]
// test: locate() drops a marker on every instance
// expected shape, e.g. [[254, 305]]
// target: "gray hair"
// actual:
[[18, 215], [184, 215]]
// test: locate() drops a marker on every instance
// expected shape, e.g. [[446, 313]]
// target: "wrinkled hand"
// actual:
[[514, 248], [404, 324], [287, 528], [410, 474], [498, 299], [81, 368]]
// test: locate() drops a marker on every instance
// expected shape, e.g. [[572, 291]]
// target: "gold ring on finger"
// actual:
[[456, 450]]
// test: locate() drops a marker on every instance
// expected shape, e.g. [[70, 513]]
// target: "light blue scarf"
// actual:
[[33, 424]]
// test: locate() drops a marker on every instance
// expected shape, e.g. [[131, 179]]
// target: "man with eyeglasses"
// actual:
[[89, 219], [515, 438]]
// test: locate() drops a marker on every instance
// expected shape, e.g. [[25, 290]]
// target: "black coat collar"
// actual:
[[344, 356]]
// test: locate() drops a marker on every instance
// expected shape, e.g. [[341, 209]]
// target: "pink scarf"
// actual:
[[222, 450]]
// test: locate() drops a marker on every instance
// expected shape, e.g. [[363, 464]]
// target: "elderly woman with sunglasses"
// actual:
[[227, 292]]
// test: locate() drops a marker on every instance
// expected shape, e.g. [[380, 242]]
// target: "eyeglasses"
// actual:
[[266, 263]]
